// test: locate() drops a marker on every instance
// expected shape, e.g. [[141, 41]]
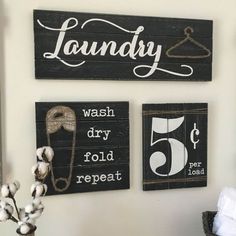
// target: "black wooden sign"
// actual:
[[117, 47], [91, 145], [174, 146]]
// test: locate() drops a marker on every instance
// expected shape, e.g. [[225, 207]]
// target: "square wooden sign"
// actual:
[[91, 145], [174, 146]]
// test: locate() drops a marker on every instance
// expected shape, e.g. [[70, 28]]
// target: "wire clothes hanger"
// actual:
[[57, 118], [188, 31]]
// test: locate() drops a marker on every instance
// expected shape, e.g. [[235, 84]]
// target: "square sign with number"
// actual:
[[174, 145]]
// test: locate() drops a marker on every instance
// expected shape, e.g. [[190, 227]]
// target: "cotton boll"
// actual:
[[5, 190], [45, 153], [43, 167], [38, 209], [29, 208], [3, 216], [9, 190], [32, 211], [37, 202], [41, 170], [13, 189], [39, 152], [24, 228], [23, 215], [6, 211], [49, 153], [9, 209], [2, 204], [38, 189]]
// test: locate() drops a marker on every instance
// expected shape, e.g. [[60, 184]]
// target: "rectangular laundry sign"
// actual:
[[71, 45], [174, 145], [91, 145]]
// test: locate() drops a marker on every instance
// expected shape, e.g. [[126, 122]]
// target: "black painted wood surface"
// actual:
[[174, 145], [100, 160], [70, 45]]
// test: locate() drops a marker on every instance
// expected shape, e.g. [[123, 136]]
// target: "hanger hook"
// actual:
[[188, 30]]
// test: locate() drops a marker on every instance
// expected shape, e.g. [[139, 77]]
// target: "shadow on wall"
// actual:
[[2, 89], [1, 84]]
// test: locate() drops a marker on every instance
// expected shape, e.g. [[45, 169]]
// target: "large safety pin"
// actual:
[[61, 117]]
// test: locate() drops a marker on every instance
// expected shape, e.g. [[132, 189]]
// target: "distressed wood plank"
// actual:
[[178, 148], [124, 71], [166, 26], [151, 167], [92, 179], [88, 133], [197, 163], [86, 111]]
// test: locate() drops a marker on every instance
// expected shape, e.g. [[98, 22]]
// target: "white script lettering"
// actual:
[[132, 49]]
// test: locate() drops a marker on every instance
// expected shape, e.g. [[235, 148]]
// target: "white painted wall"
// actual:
[[127, 212]]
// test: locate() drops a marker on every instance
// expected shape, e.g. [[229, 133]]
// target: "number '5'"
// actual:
[[179, 152]]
